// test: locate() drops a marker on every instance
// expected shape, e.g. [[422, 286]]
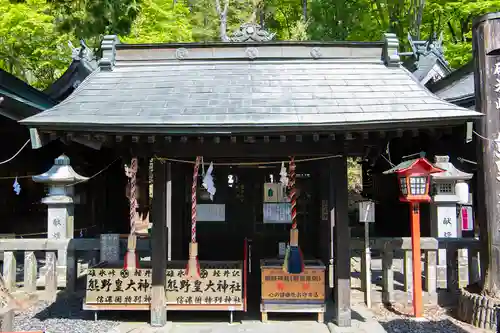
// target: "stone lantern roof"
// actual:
[[451, 172], [60, 173]]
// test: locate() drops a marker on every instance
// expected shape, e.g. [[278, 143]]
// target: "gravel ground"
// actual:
[[437, 319], [64, 316]]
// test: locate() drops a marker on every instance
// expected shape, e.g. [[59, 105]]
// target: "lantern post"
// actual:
[[413, 179]]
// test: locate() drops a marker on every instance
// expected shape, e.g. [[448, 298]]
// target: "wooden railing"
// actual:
[[389, 248]]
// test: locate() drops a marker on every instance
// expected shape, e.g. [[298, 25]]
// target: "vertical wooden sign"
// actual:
[[486, 52]]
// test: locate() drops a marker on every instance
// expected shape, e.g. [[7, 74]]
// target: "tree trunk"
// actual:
[[486, 48], [222, 13], [304, 10]]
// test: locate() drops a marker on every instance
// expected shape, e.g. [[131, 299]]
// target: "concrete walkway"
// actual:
[[362, 322]]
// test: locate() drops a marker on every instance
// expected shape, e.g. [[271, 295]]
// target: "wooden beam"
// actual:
[[159, 246], [342, 258], [274, 147]]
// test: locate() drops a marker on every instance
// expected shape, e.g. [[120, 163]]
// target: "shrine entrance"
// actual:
[[234, 222]]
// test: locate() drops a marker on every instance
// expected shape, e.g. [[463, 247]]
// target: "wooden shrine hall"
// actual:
[[242, 104]]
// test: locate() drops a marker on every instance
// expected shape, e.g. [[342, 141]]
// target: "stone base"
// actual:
[[478, 310]]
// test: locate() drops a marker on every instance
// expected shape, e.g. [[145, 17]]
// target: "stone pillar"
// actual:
[[444, 222], [60, 180]]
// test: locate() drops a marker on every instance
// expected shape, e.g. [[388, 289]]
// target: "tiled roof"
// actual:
[[151, 89], [457, 85]]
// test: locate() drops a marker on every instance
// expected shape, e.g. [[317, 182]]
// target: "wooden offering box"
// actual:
[[283, 292]]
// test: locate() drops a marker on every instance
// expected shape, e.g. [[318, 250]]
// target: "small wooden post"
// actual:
[[417, 265], [161, 173], [367, 216], [368, 274]]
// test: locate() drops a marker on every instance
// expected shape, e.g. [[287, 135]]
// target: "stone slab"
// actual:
[[363, 321]]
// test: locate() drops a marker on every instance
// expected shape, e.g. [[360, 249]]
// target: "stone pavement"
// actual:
[[362, 322], [250, 327]]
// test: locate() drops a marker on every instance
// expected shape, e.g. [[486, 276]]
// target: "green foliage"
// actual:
[[90, 19], [299, 30], [281, 16], [345, 20], [34, 33], [160, 22], [30, 47], [454, 19]]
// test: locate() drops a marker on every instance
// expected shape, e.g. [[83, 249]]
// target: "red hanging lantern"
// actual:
[[414, 179]]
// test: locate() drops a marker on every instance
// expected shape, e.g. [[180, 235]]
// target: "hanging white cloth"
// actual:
[[208, 181], [283, 175]]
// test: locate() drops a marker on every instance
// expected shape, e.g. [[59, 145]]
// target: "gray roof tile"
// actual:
[[217, 93]]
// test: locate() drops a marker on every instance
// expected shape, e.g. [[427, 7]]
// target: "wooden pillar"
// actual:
[[342, 237], [162, 175], [325, 205], [486, 52]]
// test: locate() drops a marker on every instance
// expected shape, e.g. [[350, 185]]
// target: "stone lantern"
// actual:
[[444, 221], [60, 180]]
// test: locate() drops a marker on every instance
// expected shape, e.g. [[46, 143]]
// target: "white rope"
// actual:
[[18, 152]]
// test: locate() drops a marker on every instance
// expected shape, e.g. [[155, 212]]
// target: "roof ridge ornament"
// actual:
[[81, 53], [391, 50], [108, 46], [251, 32]]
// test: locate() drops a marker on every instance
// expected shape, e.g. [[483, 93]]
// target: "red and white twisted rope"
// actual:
[[193, 199], [133, 193], [293, 194]]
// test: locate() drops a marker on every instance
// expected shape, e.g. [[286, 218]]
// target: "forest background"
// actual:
[[34, 34]]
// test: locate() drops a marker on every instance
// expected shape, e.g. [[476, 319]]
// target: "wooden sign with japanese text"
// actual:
[[111, 286], [278, 285]]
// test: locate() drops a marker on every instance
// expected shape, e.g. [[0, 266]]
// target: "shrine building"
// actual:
[[247, 106]]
